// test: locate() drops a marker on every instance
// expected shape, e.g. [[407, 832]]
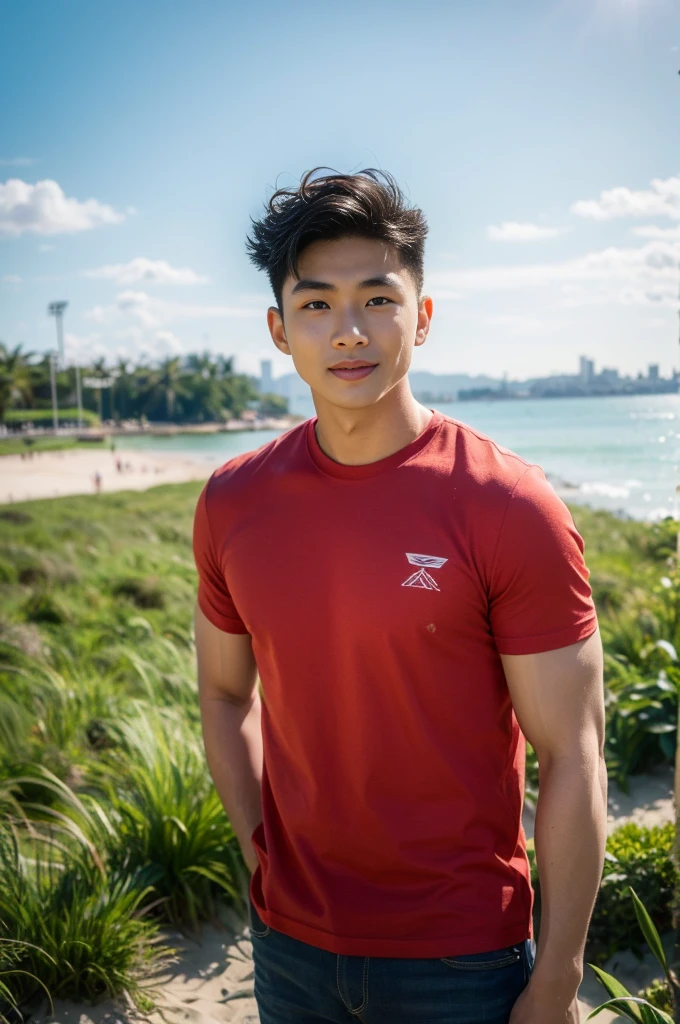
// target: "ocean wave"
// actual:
[[606, 490], [652, 415]]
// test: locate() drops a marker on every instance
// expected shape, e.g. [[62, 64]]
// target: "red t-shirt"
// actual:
[[378, 598]]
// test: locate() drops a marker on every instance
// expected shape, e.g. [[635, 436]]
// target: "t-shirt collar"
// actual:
[[361, 472]]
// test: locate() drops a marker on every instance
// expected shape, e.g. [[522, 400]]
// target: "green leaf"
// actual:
[[612, 985], [649, 1013], [649, 931]]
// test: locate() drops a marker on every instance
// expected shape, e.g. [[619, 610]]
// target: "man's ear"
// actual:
[[277, 330], [424, 319]]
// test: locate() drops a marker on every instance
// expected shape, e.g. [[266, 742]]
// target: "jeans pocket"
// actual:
[[495, 958], [257, 926]]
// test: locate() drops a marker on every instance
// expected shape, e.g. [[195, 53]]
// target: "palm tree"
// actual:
[[169, 375], [15, 377]]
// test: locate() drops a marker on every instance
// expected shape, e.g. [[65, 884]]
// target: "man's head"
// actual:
[[344, 256]]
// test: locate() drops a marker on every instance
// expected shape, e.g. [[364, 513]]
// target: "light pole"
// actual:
[[79, 393], [56, 309], [53, 387]]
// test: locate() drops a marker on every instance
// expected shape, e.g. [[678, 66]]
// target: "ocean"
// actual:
[[620, 453]]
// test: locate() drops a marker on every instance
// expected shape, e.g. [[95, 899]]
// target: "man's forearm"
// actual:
[[570, 840], [233, 747]]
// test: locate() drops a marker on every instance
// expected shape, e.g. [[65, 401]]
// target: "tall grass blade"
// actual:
[[649, 931], [649, 1013]]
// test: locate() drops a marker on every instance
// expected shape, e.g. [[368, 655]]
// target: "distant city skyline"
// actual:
[[539, 138]]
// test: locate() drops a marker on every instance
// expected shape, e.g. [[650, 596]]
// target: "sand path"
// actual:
[[71, 471]]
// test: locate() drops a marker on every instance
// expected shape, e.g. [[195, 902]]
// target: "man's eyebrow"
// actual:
[[307, 284]]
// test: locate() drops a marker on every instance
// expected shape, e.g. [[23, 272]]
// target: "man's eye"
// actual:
[[380, 299], [313, 303]]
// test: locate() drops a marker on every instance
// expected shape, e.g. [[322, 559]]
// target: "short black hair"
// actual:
[[368, 204]]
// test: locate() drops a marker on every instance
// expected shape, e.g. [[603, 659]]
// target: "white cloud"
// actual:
[[44, 209], [169, 342], [148, 271], [513, 323], [661, 200], [514, 231], [152, 312], [11, 279], [647, 274], [652, 231], [134, 344], [17, 161]]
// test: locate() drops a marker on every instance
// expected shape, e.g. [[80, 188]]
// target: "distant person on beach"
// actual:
[[97, 480], [414, 599]]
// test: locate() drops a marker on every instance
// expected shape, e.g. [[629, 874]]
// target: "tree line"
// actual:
[[196, 388]]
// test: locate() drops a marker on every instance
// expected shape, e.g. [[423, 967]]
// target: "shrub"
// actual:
[[609, 591], [143, 592], [641, 719], [75, 931], [46, 608], [170, 827], [658, 994], [649, 1007], [641, 858]]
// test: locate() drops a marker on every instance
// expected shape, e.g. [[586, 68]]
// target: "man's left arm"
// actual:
[[558, 697]]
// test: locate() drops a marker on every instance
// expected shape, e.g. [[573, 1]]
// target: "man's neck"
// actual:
[[356, 437]]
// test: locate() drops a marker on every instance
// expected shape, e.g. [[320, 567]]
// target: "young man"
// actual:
[[412, 595]]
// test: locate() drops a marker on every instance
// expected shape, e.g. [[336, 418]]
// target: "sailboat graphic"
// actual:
[[421, 578]]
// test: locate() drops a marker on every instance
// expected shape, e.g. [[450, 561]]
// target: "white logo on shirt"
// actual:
[[423, 578]]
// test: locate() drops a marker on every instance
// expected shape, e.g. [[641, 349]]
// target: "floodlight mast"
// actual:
[[56, 309]]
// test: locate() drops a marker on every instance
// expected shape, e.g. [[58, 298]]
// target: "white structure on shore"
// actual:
[[265, 376]]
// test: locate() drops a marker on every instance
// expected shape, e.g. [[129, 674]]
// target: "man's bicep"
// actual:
[[226, 664], [558, 697]]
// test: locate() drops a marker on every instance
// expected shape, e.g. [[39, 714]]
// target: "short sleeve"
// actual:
[[539, 595], [213, 597]]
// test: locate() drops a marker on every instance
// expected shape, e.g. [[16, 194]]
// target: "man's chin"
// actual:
[[351, 398]]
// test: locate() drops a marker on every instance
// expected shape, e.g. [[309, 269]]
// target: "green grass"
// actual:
[[45, 417], [17, 445], [100, 743], [70, 928]]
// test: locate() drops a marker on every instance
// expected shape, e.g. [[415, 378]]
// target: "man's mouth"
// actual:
[[347, 371]]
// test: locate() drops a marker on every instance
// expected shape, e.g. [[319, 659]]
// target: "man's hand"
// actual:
[[536, 1006]]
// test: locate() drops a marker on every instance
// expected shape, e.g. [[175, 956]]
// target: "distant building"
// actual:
[[653, 371], [609, 375], [265, 376], [586, 370]]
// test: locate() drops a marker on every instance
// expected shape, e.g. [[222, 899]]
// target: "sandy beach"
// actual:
[[72, 471]]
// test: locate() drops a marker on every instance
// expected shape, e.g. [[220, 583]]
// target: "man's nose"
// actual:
[[350, 332]]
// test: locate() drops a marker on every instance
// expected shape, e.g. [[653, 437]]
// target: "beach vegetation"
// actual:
[[68, 927], [654, 1004]]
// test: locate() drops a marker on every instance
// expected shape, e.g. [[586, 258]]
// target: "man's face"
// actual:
[[354, 303]]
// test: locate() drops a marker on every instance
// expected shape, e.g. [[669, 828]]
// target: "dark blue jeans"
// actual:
[[299, 984]]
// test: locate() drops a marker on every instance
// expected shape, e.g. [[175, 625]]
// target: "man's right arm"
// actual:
[[230, 716]]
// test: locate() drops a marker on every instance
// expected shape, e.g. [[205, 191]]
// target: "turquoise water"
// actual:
[[623, 452]]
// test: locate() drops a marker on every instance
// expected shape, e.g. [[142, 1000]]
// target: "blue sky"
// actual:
[[540, 137]]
